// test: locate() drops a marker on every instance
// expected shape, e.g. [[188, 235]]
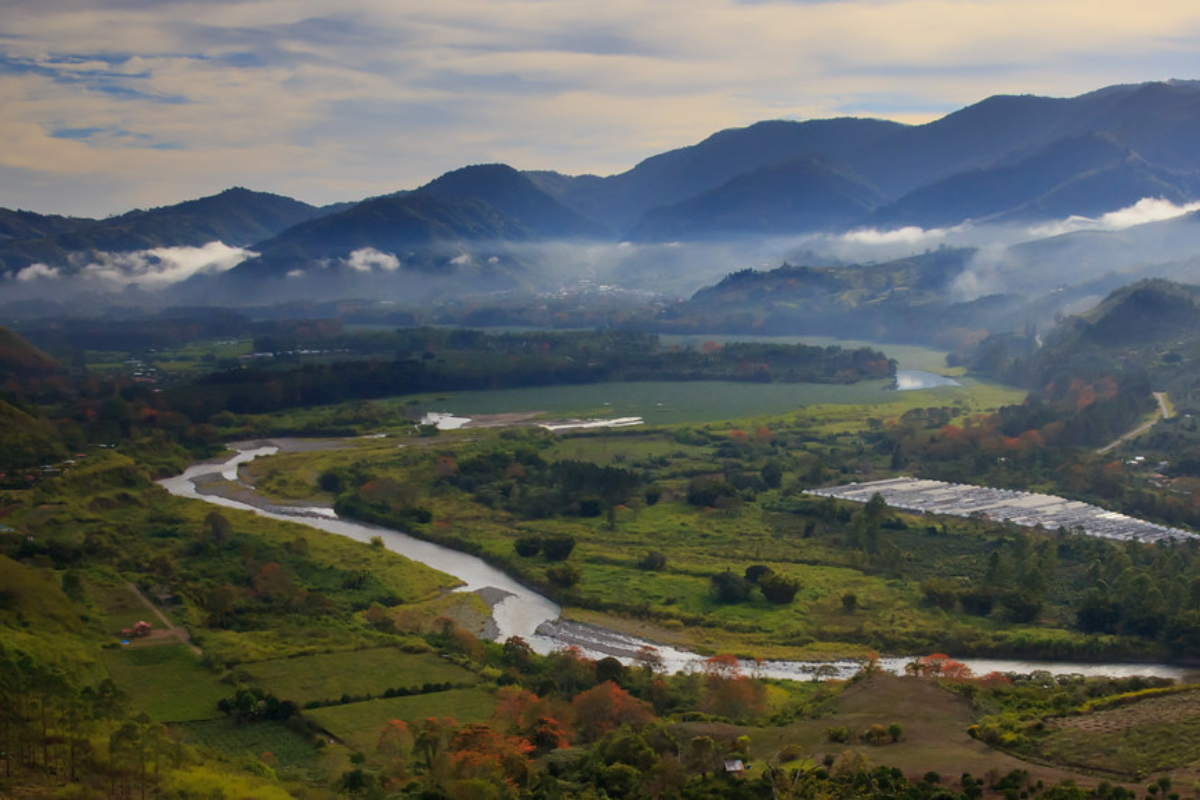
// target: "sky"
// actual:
[[108, 105]]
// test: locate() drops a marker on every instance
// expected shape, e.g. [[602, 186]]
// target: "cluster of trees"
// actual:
[[52, 722], [729, 587], [430, 360], [609, 712], [515, 478]]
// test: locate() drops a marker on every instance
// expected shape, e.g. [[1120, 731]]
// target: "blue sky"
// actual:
[[114, 104]]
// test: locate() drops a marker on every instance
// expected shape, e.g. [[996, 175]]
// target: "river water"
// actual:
[[525, 613]]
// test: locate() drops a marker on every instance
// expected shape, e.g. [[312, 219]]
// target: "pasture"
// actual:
[[167, 682], [359, 724], [329, 676]]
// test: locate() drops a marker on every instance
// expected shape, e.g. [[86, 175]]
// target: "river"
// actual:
[[525, 613]]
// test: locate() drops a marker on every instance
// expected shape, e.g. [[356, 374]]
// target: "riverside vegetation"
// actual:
[[328, 666]]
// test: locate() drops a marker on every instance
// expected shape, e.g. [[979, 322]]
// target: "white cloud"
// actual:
[[1148, 209], [162, 266], [38, 271], [368, 259], [910, 235]]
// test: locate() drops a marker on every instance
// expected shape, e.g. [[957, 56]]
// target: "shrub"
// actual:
[[528, 546], [730, 587], [779, 589], [558, 548], [653, 561], [564, 575], [840, 735]]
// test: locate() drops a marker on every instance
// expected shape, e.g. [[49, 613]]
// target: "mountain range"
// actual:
[[1005, 160]]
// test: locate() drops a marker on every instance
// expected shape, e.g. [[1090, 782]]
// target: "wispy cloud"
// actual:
[[149, 269], [1148, 209]]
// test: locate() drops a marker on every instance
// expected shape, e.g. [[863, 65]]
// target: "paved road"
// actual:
[[1163, 413]]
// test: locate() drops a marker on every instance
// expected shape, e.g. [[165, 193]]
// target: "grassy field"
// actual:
[[1133, 741], [935, 738], [359, 724], [359, 672], [167, 681], [290, 754]]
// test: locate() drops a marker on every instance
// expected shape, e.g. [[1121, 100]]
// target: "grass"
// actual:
[[120, 607], [935, 738], [167, 682], [288, 752], [359, 724], [1156, 734], [360, 672], [618, 448]]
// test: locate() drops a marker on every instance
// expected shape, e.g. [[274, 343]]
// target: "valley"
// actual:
[[832, 458]]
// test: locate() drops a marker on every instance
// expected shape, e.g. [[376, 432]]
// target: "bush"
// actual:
[[528, 546], [756, 572], [730, 587], [564, 575], [558, 548], [779, 589], [653, 561], [839, 735]]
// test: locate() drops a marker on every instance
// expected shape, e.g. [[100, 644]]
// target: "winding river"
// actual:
[[525, 613]]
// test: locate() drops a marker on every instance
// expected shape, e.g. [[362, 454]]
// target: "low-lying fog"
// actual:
[[1152, 238]]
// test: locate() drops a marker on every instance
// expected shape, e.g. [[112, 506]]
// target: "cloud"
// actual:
[[1148, 209], [910, 235], [161, 266], [368, 259], [38, 272]]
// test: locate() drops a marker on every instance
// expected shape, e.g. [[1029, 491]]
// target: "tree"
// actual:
[[653, 561], [558, 547], [730, 587], [779, 589], [394, 745], [564, 575], [772, 474], [528, 546], [217, 529], [606, 707]]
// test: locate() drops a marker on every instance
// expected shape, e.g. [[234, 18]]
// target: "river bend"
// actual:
[[535, 618]]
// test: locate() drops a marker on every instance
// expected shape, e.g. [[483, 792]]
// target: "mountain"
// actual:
[[1085, 175], [20, 360], [799, 196], [483, 204], [904, 300], [620, 201], [237, 217], [1031, 162], [29, 225]]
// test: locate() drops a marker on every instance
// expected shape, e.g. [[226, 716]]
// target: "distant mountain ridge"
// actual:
[[1006, 158], [236, 217], [483, 203]]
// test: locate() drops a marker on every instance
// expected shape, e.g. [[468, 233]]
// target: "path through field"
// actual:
[[169, 628], [1164, 412]]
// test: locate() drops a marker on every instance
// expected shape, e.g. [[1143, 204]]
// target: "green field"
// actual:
[[289, 753], [329, 676], [167, 681], [359, 724]]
